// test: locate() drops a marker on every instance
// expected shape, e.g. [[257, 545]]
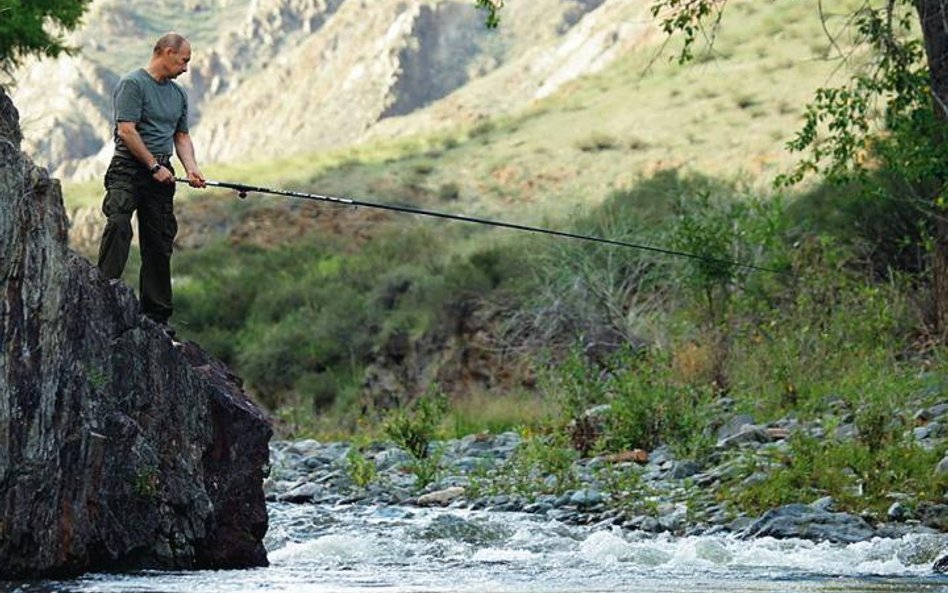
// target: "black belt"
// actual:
[[164, 159]]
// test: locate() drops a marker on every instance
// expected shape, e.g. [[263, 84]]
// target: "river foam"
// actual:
[[402, 550]]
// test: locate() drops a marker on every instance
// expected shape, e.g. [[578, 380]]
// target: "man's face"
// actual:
[[177, 61]]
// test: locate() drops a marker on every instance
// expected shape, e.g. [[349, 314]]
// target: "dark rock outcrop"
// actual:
[[808, 522], [941, 565], [118, 447]]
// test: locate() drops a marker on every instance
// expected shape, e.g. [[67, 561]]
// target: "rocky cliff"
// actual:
[[118, 447]]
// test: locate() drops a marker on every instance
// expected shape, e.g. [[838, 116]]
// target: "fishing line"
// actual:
[[242, 190]]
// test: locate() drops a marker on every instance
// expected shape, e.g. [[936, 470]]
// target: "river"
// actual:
[[392, 549]]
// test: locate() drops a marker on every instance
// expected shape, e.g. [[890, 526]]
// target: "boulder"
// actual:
[[811, 523], [748, 434], [118, 447], [933, 515], [441, 497], [941, 565]]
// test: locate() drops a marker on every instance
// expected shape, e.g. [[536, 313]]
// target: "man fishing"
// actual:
[[150, 114]]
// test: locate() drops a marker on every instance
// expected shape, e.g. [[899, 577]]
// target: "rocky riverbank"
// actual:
[[650, 491]]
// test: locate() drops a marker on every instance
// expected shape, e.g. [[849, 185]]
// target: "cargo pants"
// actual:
[[129, 188]]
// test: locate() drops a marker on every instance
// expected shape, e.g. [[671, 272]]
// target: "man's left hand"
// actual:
[[196, 179]]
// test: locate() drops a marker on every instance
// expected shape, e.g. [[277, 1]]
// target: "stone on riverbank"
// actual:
[[441, 497], [118, 448], [941, 565], [807, 522]]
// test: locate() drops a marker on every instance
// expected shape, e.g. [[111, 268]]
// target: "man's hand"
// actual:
[[163, 175], [196, 179]]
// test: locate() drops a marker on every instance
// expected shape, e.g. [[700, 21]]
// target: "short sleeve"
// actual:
[[129, 101]]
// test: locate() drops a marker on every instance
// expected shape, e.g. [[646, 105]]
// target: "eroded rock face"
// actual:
[[118, 448]]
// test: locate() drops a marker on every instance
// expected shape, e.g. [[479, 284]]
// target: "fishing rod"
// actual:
[[242, 191]]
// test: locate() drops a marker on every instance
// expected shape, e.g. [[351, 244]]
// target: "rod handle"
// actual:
[[240, 189]]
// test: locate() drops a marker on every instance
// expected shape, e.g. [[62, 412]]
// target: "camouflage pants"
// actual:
[[129, 187]]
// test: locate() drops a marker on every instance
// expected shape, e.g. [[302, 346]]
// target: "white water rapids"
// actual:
[[358, 549]]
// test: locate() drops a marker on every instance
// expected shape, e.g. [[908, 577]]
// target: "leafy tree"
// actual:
[[36, 27]]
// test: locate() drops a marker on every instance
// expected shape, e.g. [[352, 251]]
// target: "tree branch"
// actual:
[[832, 40]]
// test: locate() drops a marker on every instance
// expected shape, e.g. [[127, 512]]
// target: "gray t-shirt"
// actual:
[[159, 109]]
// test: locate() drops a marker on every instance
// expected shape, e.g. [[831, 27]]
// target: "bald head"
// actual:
[[172, 41]]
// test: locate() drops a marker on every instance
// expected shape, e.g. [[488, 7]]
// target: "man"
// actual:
[[151, 120]]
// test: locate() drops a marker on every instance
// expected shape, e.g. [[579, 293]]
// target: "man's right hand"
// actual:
[[163, 175]]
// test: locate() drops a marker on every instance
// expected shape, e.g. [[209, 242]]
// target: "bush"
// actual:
[[291, 316], [449, 192], [362, 471], [538, 456], [413, 431], [649, 409]]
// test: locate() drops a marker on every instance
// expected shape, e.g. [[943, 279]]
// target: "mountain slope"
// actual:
[[272, 78]]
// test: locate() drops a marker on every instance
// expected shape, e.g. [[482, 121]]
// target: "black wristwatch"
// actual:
[[155, 168]]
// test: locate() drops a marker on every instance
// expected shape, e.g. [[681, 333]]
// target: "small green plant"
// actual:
[[573, 383], [482, 128], [636, 143], [542, 464], [480, 481], [361, 470], [413, 431], [424, 169], [449, 192], [650, 408], [624, 484], [146, 483], [492, 19], [427, 469], [97, 378]]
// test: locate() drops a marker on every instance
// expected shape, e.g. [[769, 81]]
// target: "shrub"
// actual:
[[449, 192], [361, 470], [650, 408], [538, 456], [413, 431]]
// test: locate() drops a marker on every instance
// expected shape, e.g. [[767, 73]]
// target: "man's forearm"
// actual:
[[133, 141], [185, 150]]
